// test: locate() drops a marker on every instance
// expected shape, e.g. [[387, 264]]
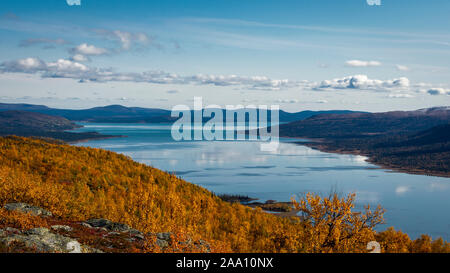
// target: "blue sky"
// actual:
[[298, 54]]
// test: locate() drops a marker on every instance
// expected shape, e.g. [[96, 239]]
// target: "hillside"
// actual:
[[13, 120], [23, 123], [86, 194], [414, 142]]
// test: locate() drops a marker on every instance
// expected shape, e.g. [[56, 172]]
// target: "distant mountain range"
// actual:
[[112, 113], [122, 114], [366, 124]]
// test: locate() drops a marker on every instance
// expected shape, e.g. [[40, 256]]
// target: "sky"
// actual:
[[370, 55]]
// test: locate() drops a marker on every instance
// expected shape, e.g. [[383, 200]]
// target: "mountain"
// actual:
[[122, 114], [289, 117], [366, 124], [23, 123], [111, 113]]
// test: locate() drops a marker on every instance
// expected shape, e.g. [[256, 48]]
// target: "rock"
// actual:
[[37, 231], [8, 231], [139, 236], [42, 240], [135, 232], [85, 225], [118, 227], [163, 239], [12, 230], [108, 225], [26, 208], [98, 222], [165, 236], [62, 227], [162, 243]]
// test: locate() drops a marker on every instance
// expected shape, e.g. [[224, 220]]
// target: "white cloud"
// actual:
[[89, 50], [402, 67], [127, 40], [62, 65], [255, 82], [363, 82], [29, 64], [438, 91], [400, 96], [60, 68], [80, 58], [358, 63]]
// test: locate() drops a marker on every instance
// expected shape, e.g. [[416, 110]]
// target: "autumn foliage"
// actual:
[[77, 183]]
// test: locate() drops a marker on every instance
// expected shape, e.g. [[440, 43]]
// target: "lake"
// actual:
[[415, 204]]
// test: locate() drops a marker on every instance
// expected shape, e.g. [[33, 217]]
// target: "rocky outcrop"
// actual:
[[91, 236], [42, 240], [26, 208]]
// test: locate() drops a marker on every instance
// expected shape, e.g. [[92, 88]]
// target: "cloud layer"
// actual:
[[63, 68], [74, 69]]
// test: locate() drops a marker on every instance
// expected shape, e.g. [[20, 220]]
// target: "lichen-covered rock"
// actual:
[[26, 208], [42, 240]]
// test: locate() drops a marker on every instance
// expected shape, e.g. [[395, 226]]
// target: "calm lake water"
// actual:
[[415, 204]]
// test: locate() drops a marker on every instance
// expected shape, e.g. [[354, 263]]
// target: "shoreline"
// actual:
[[93, 138], [318, 145]]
